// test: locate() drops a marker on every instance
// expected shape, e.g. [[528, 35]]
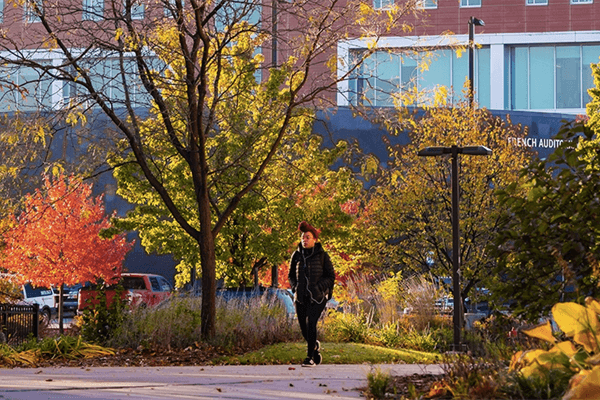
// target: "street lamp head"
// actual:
[[433, 151], [454, 150], [476, 150], [476, 21]]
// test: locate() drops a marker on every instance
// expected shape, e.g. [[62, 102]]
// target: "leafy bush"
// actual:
[[346, 327], [378, 383], [389, 335], [569, 364], [99, 321], [424, 340]]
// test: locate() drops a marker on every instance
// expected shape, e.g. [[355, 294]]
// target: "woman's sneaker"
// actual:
[[317, 357], [308, 362]]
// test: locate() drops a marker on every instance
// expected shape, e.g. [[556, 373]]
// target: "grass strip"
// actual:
[[333, 353]]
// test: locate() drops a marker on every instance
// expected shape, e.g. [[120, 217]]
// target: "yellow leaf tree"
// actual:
[[407, 218]]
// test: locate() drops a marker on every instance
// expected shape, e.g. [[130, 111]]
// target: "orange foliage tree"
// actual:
[[56, 240]]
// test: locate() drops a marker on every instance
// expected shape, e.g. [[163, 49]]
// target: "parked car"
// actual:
[[140, 290], [70, 294], [444, 305], [280, 295], [44, 297]]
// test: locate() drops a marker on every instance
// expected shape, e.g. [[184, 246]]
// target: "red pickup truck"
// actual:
[[141, 290]]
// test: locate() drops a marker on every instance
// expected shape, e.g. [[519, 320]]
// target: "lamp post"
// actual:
[[472, 23], [454, 151]]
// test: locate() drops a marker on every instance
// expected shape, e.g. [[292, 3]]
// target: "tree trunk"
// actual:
[[208, 262], [61, 289]]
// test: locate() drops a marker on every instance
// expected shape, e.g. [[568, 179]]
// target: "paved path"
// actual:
[[262, 382]]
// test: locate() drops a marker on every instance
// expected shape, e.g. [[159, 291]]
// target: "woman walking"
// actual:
[[311, 278]]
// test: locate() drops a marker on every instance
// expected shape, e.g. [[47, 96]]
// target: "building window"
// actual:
[[537, 2], [551, 77], [107, 78], [35, 90], [137, 8], [1, 10], [428, 3], [582, 1], [384, 76], [33, 10], [93, 10], [382, 4], [470, 3], [171, 8]]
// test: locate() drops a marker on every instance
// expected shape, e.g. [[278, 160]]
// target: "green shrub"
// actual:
[[424, 340], [346, 327], [99, 321], [548, 384], [388, 335], [378, 383]]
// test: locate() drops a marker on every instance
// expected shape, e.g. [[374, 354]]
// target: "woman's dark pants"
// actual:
[[308, 315]]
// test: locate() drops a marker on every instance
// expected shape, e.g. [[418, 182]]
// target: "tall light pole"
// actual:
[[472, 23], [454, 151]]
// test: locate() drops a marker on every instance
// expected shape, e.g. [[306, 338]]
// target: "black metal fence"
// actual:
[[18, 322]]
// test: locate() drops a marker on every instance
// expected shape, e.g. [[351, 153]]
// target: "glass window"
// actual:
[[568, 77], [409, 71], [541, 67], [379, 4], [520, 78], [154, 283], [589, 55], [429, 3], [551, 77], [1, 10], [536, 2], [171, 8], [137, 8], [439, 71], [377, 79], [37, 88], [388, 78], [165, 286], [33, 10], [232, 12], [384, 74], [581, 1], [482, 77], [133, 283], [93, 10], [470, 3], [460, 73]]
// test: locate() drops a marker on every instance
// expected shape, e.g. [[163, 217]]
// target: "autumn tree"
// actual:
[[299, 184], [406, 218], [178, 59], [55, 241], [547, 248]]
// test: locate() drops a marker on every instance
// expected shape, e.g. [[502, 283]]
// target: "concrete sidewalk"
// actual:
[[262, 382]]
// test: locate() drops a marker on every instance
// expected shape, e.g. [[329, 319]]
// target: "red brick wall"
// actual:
[[509, 16]]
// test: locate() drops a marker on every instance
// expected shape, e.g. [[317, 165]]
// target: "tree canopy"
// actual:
[[407, 214], [547, 249], [193, 65], [56, 240]]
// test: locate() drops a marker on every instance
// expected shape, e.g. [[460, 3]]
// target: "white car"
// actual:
[[44, 297]]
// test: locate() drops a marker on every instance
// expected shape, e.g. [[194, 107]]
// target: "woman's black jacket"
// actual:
[[311, 274]]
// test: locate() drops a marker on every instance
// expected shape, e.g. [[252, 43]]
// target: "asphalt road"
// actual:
[[264, 382]]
